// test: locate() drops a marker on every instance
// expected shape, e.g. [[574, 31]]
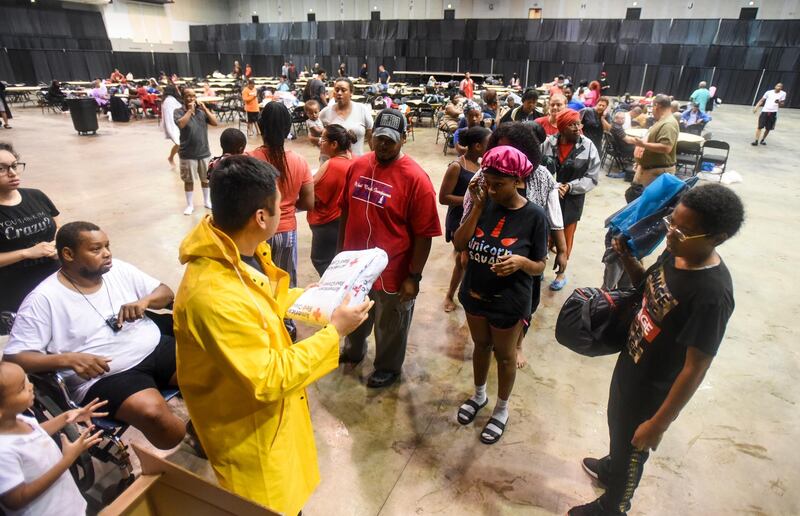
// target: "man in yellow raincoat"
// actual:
[[241, 377]]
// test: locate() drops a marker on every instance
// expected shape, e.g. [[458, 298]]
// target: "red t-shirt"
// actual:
[[549, 129], [564, 148], [328, 191], [297, 174], [387, 206]]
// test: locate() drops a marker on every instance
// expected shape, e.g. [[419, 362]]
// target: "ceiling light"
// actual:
[[635, 4], [752, 3], [311, 10], [449, 6], [374, 7]]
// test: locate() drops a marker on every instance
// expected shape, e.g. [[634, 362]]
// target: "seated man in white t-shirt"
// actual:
[[88, 321]]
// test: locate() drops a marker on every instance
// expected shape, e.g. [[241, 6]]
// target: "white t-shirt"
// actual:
[[26, 457], [771, 100], [56, 319], [359, 121]]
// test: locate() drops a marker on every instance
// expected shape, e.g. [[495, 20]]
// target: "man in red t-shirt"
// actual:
[[388, 202]]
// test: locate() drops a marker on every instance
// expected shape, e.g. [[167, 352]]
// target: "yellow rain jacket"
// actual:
[[242, 379]]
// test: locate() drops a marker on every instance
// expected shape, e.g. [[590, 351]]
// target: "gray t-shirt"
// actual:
[[194, 137]]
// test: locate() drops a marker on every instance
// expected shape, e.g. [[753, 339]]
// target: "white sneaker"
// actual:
[[189, 210], [207, 205]]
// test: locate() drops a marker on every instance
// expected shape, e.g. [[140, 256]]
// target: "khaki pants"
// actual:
[[645, 176]]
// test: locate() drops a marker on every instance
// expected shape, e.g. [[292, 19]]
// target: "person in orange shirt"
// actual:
[[250, 99]]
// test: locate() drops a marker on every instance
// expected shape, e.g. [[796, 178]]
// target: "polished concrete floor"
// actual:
[[400, 451]]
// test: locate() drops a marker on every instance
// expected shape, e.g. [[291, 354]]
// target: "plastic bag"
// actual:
[[350, 271], [641, 220]]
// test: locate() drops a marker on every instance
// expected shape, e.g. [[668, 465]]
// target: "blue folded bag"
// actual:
[[641, 220]]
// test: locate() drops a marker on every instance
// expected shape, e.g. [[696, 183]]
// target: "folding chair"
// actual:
[[688, 155], [715, 156]]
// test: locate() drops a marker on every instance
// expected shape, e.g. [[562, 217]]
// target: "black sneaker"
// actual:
[[593, 468], [763, 142], [379, 379], [592, 509], [754, 143]]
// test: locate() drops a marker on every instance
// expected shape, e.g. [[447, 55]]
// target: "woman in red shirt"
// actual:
[[329, 181], [556, 104], [295, 183]]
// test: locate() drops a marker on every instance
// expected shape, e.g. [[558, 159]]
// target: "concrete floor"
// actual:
[[400, 451]]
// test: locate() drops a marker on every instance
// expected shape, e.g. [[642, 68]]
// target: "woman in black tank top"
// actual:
[[451, 194]]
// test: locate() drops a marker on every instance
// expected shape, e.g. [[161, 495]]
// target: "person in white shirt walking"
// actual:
[[772, 100]]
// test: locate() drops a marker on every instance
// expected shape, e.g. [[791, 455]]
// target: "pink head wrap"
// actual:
[[507, 160]]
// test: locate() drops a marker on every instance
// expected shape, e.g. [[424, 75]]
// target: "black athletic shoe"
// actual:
[[754, 143], [592, 509], [593, 467], [763, 142], [379, 379]]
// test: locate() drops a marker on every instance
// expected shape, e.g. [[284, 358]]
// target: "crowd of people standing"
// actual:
[[516, 191]]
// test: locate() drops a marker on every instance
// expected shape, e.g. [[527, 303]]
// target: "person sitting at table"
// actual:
[[342, 70], [622, 142], [56, 96], [100, 94], [283, 85], [452, 113], [693, 120], [557, 103], [490, 108], [648, 98], [526, 111], [473, 117], [208, 91], [145, 100], [363, 74], [515, 83], [555, 87], [152, 86], [431, 82], [248, 70], [626, 103], [639, 118], [116, 76]]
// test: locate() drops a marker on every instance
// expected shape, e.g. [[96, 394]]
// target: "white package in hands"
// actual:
[[351, 272]]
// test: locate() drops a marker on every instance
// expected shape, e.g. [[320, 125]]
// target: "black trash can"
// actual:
[[120, 112], [84, 115]]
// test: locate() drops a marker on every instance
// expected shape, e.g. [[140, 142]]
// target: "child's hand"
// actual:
[[71, 450], [85, 414]]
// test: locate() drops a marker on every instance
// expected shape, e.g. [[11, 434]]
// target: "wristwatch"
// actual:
[[416, 277]]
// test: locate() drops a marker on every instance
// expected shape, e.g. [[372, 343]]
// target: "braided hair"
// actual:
[[275, 123]]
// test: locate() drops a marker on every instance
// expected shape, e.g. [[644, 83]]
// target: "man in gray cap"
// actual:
[[389, 202]]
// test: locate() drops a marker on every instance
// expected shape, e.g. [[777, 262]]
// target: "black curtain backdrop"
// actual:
[[42, 44]]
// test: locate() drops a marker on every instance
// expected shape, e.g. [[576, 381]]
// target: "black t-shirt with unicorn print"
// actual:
[[501, 231]]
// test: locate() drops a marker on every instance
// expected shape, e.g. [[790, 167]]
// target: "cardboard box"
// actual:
[[166, 489]]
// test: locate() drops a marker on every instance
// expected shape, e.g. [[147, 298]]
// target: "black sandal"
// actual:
[[493, 436], [464, 417]]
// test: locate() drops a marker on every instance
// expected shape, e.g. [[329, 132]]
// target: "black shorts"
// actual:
[[767, 120], [252, 117], [154, 372], [480, 308]]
